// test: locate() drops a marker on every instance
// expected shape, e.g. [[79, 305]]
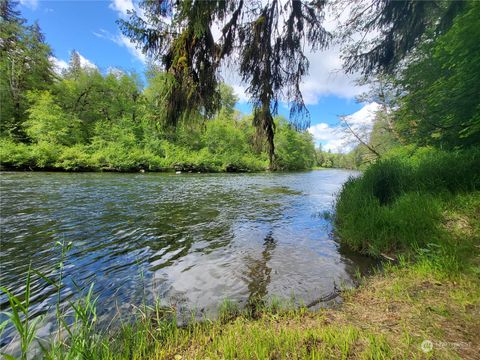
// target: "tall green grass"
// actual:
[[278, 331], [152, 332], [399, 202]]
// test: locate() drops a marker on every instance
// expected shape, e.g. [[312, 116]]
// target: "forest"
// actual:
[[82, 120]]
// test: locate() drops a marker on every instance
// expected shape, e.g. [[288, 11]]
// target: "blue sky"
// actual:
[[89, 27]]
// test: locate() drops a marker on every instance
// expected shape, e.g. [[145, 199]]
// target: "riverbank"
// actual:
[[80, 158], [411, 309], [425, 303]]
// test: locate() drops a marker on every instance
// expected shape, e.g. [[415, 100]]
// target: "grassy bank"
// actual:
[[398, 205], [425, 303]]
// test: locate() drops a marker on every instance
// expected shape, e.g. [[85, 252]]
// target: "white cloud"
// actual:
[[59, 65], [123, 41], [364, 116], [326, 77], [32, 4], [330, 137], [337, 139], [102, 34], [240, 91], [122, 7], [85, 63]]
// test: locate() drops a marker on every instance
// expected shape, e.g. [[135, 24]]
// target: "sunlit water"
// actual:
[[189, 240]]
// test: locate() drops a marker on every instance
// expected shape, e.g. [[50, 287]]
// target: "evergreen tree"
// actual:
[[268, 38], [390, 30], [74, 66], [24, 65]]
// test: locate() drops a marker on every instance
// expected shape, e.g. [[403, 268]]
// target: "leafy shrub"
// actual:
[[143, 159], [74, 158], [45, 154], [15, 155]]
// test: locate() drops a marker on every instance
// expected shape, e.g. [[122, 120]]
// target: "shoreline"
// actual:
[[164, 171], [425, 304], [407, 309], [394, 313]]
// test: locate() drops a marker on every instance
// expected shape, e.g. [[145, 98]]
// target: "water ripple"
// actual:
[[192, 240]]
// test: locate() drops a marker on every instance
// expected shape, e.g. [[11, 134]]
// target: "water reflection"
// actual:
[[191, 240], [258, 272]]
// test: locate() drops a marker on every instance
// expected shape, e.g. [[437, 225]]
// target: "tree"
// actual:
[[222, 137], [47, 122], [24, 65], [268, 39], [92, 97], [295, 150], [380, 33], [441, 105], [74, 66], [228, 100]]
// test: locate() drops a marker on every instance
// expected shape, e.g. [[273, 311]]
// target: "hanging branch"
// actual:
[[267, 41], [360, 140]]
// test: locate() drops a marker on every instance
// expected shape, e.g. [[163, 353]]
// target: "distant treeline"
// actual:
[[82, 119]]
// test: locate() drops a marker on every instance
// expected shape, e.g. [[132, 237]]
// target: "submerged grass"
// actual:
[[425, 304]]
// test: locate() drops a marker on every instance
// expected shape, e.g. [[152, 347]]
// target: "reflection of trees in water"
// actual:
[[258, 272], [179, 226]]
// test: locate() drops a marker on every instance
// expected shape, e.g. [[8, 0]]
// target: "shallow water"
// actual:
[[189, 240]]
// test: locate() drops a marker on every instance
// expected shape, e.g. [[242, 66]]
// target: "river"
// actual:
[[189, 240]]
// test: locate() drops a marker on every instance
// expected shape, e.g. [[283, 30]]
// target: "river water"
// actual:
[[189, 240]]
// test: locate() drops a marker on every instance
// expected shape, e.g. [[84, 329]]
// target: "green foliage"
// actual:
[[93, 122], [295, 150], [47, 122], [327, 159], [91, 97], [15, 154], [24, 65], [442, 106], [74, 158], [221, 136], [398, 202], [45, 154]]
